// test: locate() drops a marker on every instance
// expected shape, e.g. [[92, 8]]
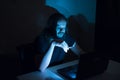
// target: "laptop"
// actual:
[[90, 64]]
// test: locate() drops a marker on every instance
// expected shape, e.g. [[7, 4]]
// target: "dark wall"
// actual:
[[21, 22], [107, 27]]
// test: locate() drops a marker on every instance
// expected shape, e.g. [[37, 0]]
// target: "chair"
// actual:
[[26, 58]]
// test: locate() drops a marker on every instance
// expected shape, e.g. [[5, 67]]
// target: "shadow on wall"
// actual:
[[82, 31], [23, 20]]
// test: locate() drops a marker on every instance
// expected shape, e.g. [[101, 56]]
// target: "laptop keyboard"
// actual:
[[69, 72]]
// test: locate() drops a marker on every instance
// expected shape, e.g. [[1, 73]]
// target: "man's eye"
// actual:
[[58, 28]]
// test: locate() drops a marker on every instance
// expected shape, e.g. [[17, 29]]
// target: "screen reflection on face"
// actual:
[[61, 28]]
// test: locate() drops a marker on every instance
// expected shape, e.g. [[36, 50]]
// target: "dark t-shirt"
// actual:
[[42, 45]]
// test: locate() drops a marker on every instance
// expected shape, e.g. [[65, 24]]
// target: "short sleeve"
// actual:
[[40, 44]]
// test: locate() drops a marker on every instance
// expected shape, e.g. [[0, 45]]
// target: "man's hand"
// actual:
[[63, 45]]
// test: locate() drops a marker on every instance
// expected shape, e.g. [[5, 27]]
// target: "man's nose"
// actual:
[[61, 30]]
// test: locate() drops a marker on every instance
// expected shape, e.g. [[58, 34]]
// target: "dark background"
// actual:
[[12, 33]]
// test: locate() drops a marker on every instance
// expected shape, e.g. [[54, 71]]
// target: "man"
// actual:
[[55, 41]]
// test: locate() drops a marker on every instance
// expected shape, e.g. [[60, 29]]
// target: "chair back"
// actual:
[[26, 58]]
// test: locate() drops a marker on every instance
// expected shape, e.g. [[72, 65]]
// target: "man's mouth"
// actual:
[[61, 33]]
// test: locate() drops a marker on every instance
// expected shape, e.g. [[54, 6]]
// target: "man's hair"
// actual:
[[52, 24]]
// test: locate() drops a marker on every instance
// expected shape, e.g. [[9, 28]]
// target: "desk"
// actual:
[[49, 74], [112, 72]]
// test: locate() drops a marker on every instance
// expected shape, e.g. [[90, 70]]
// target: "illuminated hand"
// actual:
[[63, 45]]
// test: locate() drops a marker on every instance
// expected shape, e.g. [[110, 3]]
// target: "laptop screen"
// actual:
[[69, 72]]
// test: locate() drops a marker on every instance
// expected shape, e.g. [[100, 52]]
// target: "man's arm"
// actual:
[[48, 55], [47, 58], [76, 49]]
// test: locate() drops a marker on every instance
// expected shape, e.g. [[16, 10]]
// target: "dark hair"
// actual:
[[52, 23]]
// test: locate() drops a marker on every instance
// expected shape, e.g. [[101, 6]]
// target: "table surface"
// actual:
[[112, 72], [49, 74]]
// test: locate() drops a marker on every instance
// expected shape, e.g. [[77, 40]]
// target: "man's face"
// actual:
[[61, 28]]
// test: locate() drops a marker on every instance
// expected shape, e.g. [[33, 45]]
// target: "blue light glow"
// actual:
[[72, 74], [74, 7]]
